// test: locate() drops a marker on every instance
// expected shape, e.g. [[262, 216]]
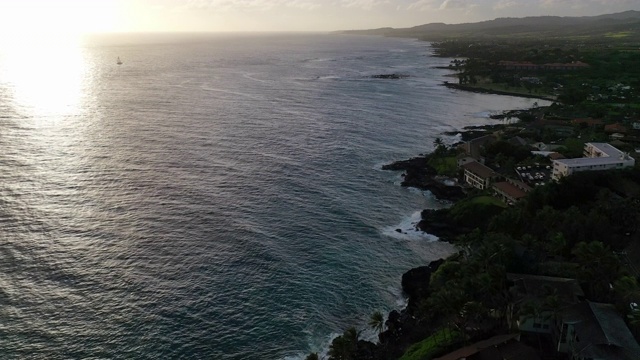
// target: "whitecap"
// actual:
[[407, 230]]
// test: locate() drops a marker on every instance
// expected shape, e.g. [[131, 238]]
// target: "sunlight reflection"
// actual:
[[45, 78]]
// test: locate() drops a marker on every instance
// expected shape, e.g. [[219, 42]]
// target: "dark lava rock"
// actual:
[[389, 76], [403, 327], [415, 283], [438, 223], [416, 163], [421, 175]]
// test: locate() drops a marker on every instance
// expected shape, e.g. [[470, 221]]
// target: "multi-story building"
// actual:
[[598, 156], [478, 175]]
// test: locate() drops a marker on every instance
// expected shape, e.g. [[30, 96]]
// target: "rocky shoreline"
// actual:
[[405, 327], [419, 174]]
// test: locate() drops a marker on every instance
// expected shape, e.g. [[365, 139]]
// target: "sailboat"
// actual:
[[119, 62]]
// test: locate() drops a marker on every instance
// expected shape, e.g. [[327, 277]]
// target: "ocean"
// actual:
[[216, 196]]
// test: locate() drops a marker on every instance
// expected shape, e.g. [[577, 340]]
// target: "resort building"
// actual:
[[598, 156], [526, 65], [511, 191], [478, 175], [474, 147]]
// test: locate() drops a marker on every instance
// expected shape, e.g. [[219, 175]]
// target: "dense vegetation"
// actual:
[[575, 228], [583, 227], [625, 25]]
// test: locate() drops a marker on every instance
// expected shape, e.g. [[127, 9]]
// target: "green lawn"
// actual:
[[445, 166], [620, 34], [488, 200], [512, 89], [431, 346]]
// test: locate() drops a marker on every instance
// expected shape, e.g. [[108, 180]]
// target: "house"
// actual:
[[526, 65], [555, 156], [499, 347], [588, 121], [616, 136], [545, 147], [515, 65], [478, 175], [598, 156], [532, 291], [574, 65], [615, 128], [511, 190], [589, 331]]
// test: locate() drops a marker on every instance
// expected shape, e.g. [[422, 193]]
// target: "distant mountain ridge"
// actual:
[[627, 22]]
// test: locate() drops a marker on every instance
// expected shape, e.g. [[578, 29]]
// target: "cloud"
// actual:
[[427, 5], [585, 4], [258, 5], [456, 4], [362, 4], [505, 4]]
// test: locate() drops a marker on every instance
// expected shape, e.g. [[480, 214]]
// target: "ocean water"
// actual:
[[215, 196]]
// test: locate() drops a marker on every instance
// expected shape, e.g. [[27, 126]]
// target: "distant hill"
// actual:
[[625, 24]]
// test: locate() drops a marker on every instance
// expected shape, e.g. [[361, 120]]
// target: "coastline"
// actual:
[[401, 324], [495, 92], [402, 329]]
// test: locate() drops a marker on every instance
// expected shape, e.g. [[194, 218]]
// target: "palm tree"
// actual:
[[344, 347], [600, 267], [376, 321]]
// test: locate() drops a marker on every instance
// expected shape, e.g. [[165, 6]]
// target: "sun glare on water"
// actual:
[[44, 81], [42, 63]]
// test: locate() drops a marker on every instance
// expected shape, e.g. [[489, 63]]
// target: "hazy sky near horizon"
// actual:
[[79, 16]]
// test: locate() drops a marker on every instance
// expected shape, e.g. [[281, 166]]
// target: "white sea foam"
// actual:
[[408, 231], [250, 76], [319, 345], [401, 299]]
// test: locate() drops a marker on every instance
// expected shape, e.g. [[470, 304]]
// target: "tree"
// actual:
[[344, 347], [377, 321], [599, 268], [440, 148], [627, 291], [312, 356]]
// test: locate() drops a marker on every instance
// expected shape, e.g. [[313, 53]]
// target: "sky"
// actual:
[[85, 16]]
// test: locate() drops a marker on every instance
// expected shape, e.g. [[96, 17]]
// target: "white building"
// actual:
[[598, 156]]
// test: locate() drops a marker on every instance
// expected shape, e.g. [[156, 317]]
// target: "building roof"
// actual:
[[607, 149], [479, 169], [615, 128], [588, 121], [610, 155], [510, 189], [588, 161], [520, 185], [512, 350], [556, 156], [602, 332], [532, 287], [477, 347]]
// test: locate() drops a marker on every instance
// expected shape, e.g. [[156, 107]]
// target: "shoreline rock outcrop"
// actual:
[[419, 174]]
